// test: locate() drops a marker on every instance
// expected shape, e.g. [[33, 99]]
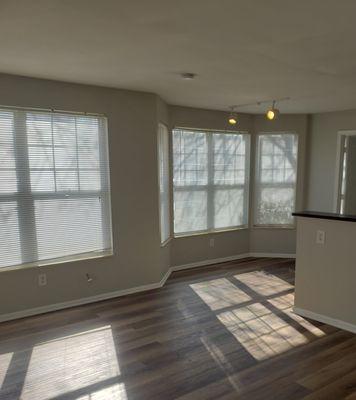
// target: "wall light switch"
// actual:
[[320, 237], [42, 279], [212, 242]]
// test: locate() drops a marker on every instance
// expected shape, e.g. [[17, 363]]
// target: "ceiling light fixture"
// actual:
[[188, 76], [232, 116], [273, 112]]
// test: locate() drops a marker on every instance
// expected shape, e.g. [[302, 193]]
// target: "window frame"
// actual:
[[245, 186], [257, 185], [24, 192], [169, 188]]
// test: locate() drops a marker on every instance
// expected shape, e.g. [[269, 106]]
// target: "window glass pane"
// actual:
[[8, 180], [42, 181], [67, 180], [229, 159], [40, 157], [190, 158], [10, 250], [229, 208], [163, 165], [276, 178], [88, 143], [68, 226], [39, 129], [276, 206], [190, 211], [89, 180]]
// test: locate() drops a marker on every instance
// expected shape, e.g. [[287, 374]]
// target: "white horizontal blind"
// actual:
[[210, 180], [276, 176], [54, 186], [163, 168]]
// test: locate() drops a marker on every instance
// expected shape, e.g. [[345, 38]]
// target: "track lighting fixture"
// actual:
[[273, 112], [232, 116]]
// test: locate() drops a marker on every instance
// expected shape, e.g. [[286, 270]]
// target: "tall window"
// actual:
[[210, 180], [54, 186], [276, 176], [163, 168]]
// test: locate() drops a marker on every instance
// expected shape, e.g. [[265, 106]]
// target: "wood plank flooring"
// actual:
[[220, 332]]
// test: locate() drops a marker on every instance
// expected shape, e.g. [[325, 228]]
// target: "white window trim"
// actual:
[[339, 168], [257, 171], [165, 242], [61, 260], [246, 186]]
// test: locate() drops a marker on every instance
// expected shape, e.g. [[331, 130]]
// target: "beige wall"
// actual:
[[132, 124], [320, 185], [326, 274], [139, 258]]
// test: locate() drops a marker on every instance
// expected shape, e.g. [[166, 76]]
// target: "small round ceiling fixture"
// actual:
[[188, 76]]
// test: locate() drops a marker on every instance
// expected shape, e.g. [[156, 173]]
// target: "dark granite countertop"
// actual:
[[325, 215]]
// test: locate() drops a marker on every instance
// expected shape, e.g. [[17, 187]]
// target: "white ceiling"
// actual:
[[242, 51]]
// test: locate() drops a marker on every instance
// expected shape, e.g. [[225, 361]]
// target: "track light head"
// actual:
[[232, 120], [273, 112]]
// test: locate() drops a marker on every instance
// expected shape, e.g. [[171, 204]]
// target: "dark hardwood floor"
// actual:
[[221, 332]]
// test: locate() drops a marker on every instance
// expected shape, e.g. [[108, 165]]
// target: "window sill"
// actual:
[[166, 242], [203, 233], [60, 260], [284, 227]]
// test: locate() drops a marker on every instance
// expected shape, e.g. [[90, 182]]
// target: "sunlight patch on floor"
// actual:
[[219, 293], [67, 364], [285, 303], [262, 333], [5, 360], [263, 283], [114, 392]]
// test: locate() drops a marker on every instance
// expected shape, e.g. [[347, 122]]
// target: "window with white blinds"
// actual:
[[163, 168], [276, 176], [54, 186], [210, 178]]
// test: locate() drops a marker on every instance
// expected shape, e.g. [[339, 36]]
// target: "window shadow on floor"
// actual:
[[199, 337]]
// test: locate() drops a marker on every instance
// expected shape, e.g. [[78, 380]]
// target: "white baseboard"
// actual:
[[86, 300], [272, 255], [325, 319], [137, 289], [209, 262]]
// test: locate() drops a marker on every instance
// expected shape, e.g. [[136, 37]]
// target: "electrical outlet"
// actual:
[[320, 237], [212, 242], [42, 279]]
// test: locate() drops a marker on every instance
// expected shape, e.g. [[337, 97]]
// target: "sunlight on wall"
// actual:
[[219, 293], [5, 360], [72, 363]]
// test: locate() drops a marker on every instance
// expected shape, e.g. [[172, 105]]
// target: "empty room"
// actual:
[[177, 200]]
